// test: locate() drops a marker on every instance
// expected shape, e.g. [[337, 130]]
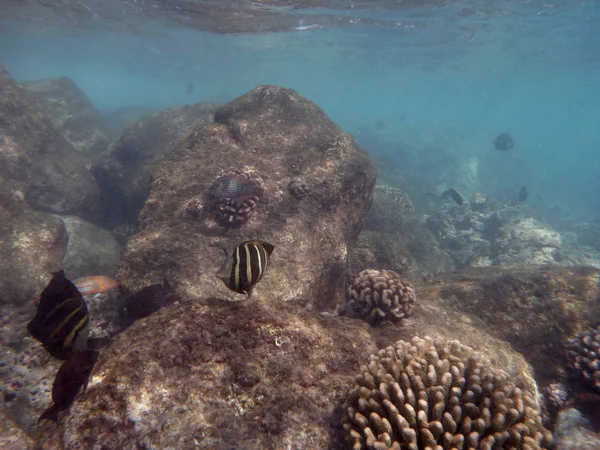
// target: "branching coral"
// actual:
[[583, 352], [438, 395]]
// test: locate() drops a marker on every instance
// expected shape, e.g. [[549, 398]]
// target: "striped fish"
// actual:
[[62, 321], [95, 285], [246, 267]]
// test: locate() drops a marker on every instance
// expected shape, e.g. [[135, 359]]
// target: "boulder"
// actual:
[[396, 238], [535, 309], [91, 250], [115, 122], [36, 158], [252, 375], [123, 173], [71, 113], [32, 245], [275, 134]]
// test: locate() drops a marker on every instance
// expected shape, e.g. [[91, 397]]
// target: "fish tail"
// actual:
[[50, 414]]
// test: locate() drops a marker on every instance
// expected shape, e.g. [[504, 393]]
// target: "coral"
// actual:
[[378, 295], [440, 395], [298, 189], [234, 195], [583, 352]]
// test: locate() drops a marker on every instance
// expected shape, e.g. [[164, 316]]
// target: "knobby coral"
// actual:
[[378, 295], [583, 352], [234, 195], [438, 395]]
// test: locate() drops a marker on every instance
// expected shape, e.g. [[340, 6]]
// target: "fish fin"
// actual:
[[224, 272], [50, 414], [268, 247], [249, 291]]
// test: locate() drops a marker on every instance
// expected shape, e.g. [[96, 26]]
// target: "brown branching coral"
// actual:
[[378, 295], [438, 395], [583, 352]]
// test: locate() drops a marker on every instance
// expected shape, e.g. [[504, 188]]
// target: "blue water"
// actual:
[[532, 70]]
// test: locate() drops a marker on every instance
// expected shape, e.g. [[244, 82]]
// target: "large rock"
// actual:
[[124, 172], [535, 309], [32, 245], [71, 113], [247, 375], [288, 141], [115, 122], [91, 250], [395, 238], [36, 158]]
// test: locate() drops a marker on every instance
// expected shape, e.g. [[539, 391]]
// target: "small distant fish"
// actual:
[[454, 194], [246, 267], [95, 285], [62, 321], [504, 142], [523, 194], [148, 300], [189, 89], [70, 378]]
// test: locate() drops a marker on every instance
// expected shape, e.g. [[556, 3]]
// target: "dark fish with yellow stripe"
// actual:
[[62, 321], [70, 378], [246, 267]]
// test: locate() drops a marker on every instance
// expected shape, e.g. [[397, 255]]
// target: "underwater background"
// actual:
[[299, 225]]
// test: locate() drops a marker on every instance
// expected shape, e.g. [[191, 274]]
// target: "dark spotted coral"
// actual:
[[234, 195], [378, 295], [440, 395], [583, 352], [298, 189]]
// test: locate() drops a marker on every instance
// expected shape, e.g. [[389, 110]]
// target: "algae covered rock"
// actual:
[[535, 309], [36, 158], [91, 250], [280, 136], [218, 376], [71, 113], [123, 173], [32, 245]]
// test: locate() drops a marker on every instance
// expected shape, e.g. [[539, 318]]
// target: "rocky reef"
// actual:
[[71, 113], [484, 232], [124, 171], [216, 369], [280, 136], [36, 159]]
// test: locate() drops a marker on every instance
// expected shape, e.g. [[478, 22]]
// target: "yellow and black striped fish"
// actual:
[[246, 267], [62, 321]]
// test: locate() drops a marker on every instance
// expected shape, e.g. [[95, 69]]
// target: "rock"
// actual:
[[71, 113], [91, 250], [395, 238], [115, 122], [484, 233], [281, 136], [32, 245], [573, 432], [124, 172], [535, 309], [12, 437], [50, 174], [252, 375]]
